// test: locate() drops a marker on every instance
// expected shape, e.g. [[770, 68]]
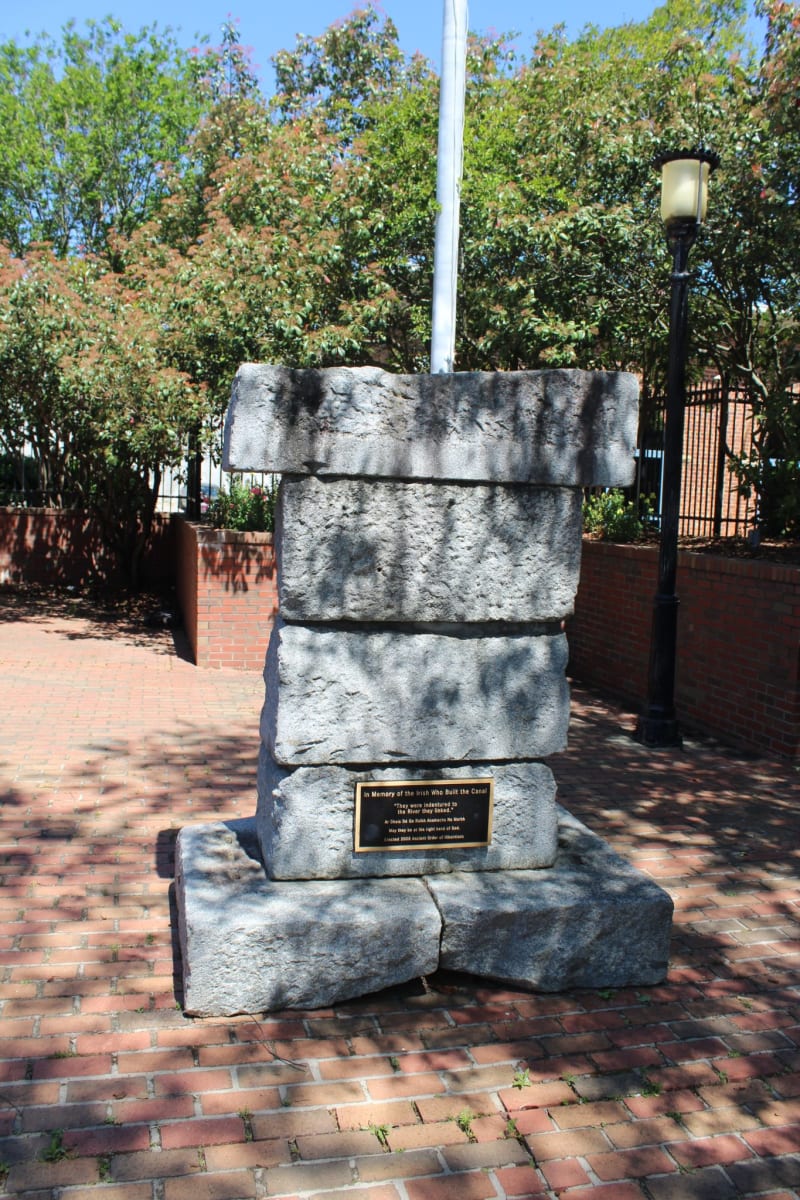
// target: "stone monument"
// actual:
[[428, 538]]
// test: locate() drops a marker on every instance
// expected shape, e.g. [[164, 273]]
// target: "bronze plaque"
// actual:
[[423, 814]]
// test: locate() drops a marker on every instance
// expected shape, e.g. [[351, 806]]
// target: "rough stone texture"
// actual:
[[250, 945], [569, 428], [253, 945], [337, 696], [305, 822], [350, 549], [429, 544], [591, 920]]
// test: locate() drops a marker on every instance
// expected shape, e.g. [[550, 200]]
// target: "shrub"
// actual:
[[615, 518], [246, 507]]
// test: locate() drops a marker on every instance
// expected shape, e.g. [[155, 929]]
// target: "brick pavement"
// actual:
[[446, 1088]]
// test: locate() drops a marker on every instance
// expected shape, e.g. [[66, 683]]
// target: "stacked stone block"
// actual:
[[428, 548]]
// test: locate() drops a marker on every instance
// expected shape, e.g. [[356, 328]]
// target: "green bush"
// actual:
[[615, 518], [246, 507]]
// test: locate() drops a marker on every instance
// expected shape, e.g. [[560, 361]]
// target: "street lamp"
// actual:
[[684, 192]]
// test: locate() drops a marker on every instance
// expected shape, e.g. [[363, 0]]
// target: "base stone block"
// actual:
[[591, 920], [250, 945]]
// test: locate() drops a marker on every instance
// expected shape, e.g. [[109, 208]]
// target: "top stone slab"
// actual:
[[561, 428]]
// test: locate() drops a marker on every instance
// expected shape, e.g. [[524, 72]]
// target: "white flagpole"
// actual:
[[448, 184]]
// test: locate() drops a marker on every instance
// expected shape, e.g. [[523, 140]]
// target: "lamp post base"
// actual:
[[655, 729]]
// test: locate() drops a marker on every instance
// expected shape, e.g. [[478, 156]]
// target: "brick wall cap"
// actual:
[[207, 535], [70, 514]]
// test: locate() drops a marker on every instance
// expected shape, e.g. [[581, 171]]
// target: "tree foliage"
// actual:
[[89, 128], [194, 224], [87, 124], [338, 73], [752, 283], [85, 382]]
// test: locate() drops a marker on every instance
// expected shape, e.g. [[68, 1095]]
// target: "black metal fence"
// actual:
[[192, 489], [180, 491], [718, 424]]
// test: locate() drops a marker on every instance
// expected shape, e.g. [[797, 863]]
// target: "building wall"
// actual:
[[703, 471], [738, 655], [227, 591]]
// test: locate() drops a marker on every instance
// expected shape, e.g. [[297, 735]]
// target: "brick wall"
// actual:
[[63, 547], [738, 659], [227, 591]]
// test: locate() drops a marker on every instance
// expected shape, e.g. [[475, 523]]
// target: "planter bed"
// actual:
[[227, 592]]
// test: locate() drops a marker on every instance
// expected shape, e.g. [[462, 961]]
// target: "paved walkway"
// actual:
[[110, 742]]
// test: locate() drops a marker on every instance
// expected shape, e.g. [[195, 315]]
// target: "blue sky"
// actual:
[[268, 26]]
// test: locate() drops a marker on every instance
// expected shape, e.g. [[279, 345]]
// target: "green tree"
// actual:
[[562, 258], [84, 380], [563, 254], [265, 247], [302, 231], [752, 286], [281, 269], [338, 73], [87, 374], [86, 126], [563, 250], [41, 314]]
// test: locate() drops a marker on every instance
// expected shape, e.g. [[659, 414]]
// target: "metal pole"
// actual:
[[448, 184], [658, 726], [722, 442], [194, 473]]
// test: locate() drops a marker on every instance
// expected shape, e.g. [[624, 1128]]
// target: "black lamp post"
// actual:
[[684, 191]]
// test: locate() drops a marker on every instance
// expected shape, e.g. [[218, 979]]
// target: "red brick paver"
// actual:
[[448, 1087]]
